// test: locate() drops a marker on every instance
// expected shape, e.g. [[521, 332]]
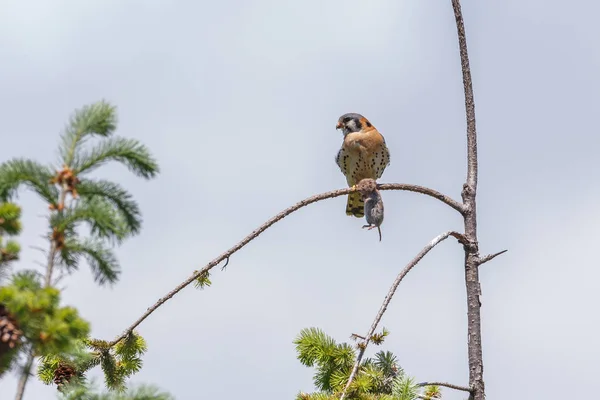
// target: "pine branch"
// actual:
[[314, 346], [254, 234], [101, 259], [130, 152], [116, 195], [95, 119], [17, 172], [103, 220], [388, 298]]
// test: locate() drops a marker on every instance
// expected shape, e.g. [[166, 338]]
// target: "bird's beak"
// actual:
[[338, 125]]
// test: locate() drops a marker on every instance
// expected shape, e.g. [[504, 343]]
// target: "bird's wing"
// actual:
[[382, 160], [339, 158]]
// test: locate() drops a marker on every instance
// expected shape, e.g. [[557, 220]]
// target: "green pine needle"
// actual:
[[129, 152], [203, 280], [131, 347], [48, 365], [95, 119], [113, 374], [101, 259], [118, 197], [98, 214], [404, 388], [12, 247], [17, 172], [313, 345], [10, 214], [48, 327], [97, 344], [378, 338]]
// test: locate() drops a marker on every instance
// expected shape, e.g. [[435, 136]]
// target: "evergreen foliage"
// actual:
[[109, 215], [118, 362], [378, 378], [46, 327], [90, 392], [10, 225], [76, 199]]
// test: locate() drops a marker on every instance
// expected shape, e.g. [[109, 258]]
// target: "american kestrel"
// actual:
[[364, 154]]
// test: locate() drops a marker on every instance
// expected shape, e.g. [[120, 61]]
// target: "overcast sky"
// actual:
[[238, 101]]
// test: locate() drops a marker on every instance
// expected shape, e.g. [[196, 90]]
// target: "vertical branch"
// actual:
[[26, 373], [469, 99], [470, 222]]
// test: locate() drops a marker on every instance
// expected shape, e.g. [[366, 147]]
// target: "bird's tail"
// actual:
[[355, 205]]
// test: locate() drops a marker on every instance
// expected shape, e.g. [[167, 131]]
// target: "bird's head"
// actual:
[[352, 122]]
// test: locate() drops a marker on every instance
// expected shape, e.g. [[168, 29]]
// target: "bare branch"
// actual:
[[423, 190], [490, 257], [469, 192], [469, 98], [448, 385], [265, 226], [387, 300]]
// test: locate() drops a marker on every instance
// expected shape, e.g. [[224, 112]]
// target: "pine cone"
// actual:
[[63, 374], [10, 334]]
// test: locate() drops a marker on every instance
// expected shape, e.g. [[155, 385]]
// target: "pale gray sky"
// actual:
[[233, 93]]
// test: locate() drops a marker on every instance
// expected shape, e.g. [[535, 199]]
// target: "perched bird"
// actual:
[[373, 204], [364, 154]]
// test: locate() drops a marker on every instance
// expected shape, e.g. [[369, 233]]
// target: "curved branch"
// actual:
[[388, 298], [448, 385], [265, 226], [424, 190]]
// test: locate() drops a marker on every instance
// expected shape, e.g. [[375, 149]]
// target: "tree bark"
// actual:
[[26, 373], [472, 260], [24, 376]]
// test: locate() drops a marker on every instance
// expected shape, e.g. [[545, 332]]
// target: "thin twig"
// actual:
[[448, 385], [490, 257], [265, 226], [387, 300]]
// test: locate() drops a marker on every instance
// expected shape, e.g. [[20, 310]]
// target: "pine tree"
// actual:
[[75, 199], [378, 378]]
